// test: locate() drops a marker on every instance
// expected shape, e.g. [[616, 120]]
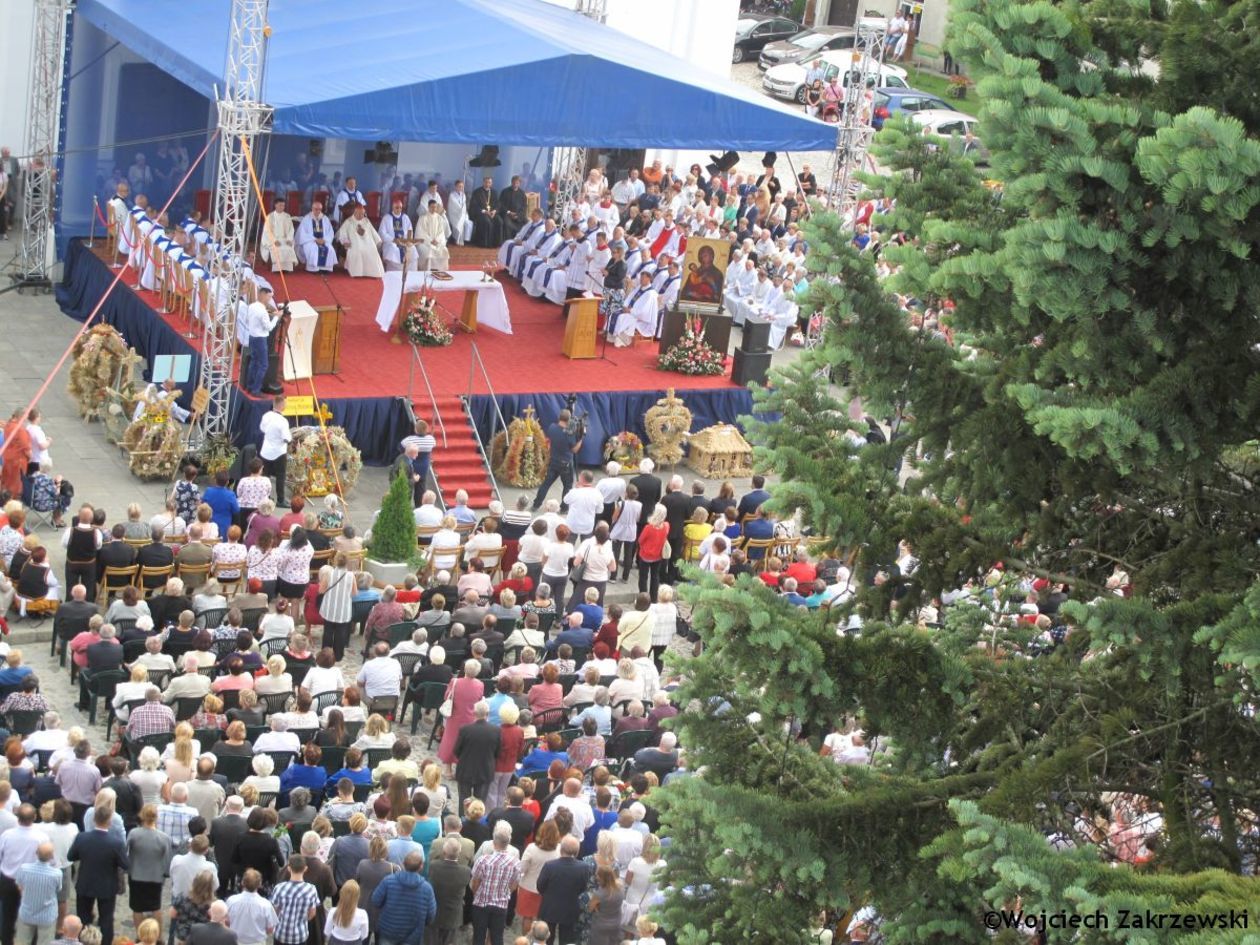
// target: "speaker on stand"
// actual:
[[750, 367]]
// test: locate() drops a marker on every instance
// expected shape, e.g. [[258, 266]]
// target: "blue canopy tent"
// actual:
[[520, 72]]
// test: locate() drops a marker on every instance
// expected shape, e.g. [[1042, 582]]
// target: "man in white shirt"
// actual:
[[577, 804], [585, 502], [278, 739], [260, 318], [381, 676], [627, 191], [427, 514], [274, 451], [50, 738]]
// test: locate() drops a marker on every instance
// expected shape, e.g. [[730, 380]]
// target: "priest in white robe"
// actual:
[[747, 305], [433, 230], [349, 194], [526, 238], [555, 269], [315, 240], [396, 225], [639, 316], [139, 213], [670, 241], [362, 243], [669, 289], [599, 259], [120, 219], [530, 262], [275, 244], [607, 214], [782, 313], [739, 283], [457, 214]]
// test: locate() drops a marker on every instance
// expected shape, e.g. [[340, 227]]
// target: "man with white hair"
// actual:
[[460, 510], [418, 644], [577, 803], [153, 659], [662, 759], [476, 750], [612, 489], [173, 817], [51, 738], [279, 738], [649, 487], [427, 514], [190, 685], [225, 834], [677, 513], [214, 932], [381, 676], [585, 504]]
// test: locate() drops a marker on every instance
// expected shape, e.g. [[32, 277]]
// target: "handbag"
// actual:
[[667, 550], [448, 704], [578, 572]]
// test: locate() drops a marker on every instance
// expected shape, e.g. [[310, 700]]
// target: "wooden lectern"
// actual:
[[581, 328], [326, 345]]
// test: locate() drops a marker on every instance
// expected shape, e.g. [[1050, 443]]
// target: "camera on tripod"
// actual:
[[577, 422]]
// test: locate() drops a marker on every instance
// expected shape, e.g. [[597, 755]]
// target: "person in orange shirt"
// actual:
[[653, 174]]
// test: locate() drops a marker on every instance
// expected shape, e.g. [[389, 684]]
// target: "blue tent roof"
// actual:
[[512, 72]]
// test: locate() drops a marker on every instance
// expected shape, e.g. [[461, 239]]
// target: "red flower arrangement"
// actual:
[[692, 355]]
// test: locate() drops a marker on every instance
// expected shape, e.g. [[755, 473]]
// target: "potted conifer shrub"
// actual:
[[392, 551]]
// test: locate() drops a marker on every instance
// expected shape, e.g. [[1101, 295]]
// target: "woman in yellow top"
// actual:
[[694, 532]]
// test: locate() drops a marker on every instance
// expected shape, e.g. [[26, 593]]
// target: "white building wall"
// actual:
[[15, 71]]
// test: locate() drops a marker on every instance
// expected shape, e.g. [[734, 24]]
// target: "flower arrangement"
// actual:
[[692, 355], [423, 326], [310, 471], [217, 453], [958, 85], [520, 455], [624, 448], [101, 361]]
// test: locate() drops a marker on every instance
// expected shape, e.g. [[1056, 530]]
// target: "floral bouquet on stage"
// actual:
[[692, 355], [423, 326], [624, 448], [519, 455]]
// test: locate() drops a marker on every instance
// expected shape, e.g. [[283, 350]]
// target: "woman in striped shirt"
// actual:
[[337, 586]]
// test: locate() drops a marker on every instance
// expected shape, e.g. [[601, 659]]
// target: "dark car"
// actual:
[[799, 45], [889, 102], [754, 31]]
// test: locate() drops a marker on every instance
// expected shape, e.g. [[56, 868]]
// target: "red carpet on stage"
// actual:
[[529, 361]]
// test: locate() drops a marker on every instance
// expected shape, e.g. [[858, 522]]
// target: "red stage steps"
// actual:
[[458, 464]]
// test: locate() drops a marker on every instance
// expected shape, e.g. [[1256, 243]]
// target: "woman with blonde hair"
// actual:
[[148, 932], [179, 762], [431, 786], [349, 851], [445, 538], [277, 679], [375, 734], [193, 908], [347, 924], [131, 691], [642, 875], [210, 715]]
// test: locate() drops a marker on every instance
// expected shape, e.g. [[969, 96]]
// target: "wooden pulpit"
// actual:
[[581, 328], [326, 345]]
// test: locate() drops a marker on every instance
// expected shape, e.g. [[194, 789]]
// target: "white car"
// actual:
[[788, 80], [948, 124]]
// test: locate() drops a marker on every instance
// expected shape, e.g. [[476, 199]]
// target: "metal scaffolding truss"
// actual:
[[855, 131], [48, 38], [242, 118]]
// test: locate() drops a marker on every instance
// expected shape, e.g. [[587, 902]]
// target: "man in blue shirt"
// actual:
[[755, 499], [223, 503], [576, 635], [788, 588]]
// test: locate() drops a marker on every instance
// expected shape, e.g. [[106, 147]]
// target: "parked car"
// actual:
[[799, 45], [893, 101], [788, 80], [754, 31], [960, 128]]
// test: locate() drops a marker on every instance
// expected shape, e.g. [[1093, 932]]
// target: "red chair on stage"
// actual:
[[322, 197], [293, 203], [374, 206], [398, 195], [268, 201], [202, 202]]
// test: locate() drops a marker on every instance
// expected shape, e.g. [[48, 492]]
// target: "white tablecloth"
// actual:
[[492, 308]]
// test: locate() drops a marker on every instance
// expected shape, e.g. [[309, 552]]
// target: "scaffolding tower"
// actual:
[[568, 165], [855, 131], [242, 118], [43, 116]]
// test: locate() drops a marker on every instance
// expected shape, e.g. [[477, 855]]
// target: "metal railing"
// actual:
[[437, 485], [497, 422], [424, 375]]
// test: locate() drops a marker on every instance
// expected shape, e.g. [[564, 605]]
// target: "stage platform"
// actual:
[[367, 396]]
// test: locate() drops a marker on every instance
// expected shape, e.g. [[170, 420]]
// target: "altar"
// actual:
[[492, 307]]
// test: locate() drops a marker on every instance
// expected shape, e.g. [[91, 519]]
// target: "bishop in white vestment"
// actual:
[[433, 230], [394, 226], [362, 244], [640, 314], [315, 240], [275, 245]]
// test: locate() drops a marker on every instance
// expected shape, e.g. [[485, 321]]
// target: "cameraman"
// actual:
[[564, 445]]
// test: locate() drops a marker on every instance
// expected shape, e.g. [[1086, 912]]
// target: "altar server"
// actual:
[[550, 240], [396, 225], [349, 194], [605, 211], [435, 231], [669, 241], [600, 257], [167, 393], [362, 244], [136, 240], [275, 245], [120, 218], [576, 268], [640, 315], [526, 239], [669, 289], [431, 194], [315, 240], [457, 213]]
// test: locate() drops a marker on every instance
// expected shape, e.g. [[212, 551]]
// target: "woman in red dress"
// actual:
[[16, 454]]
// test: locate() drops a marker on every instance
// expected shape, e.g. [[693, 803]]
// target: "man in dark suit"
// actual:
[[649, 490], [155, 555], [116, 553], [130, 798], [489, 631], [512, 207], [677, 513], [100, 855], [73, 616], [105, 654], [449, 879], [698, 501], [225, 833], [519, 819], [561, 882], [751, 502], [476, 749]]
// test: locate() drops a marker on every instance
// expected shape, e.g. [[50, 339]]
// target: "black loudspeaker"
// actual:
[[756, 338], [489, 157], [749, 367]]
